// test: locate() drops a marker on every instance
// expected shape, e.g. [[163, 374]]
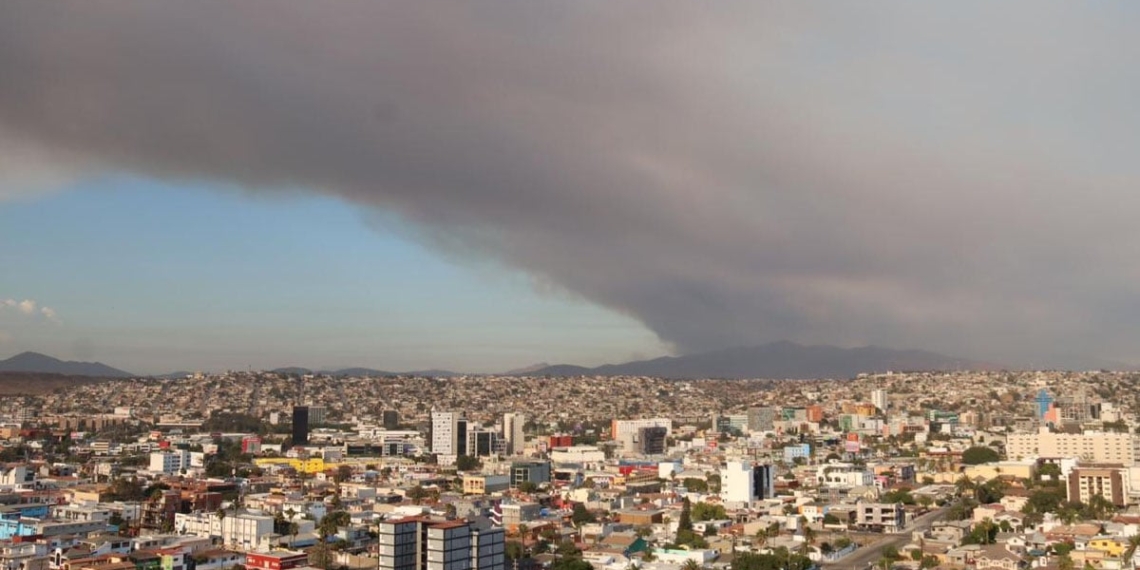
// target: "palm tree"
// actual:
[[1133, 543], [294, 528], [691, 564]]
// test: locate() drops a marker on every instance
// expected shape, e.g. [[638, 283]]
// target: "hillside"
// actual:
[[776, 360], [42, 363]]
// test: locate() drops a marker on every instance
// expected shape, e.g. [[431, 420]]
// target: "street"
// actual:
[[867, 555]]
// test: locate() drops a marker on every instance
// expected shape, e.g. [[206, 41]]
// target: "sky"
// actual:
[[482, 186]]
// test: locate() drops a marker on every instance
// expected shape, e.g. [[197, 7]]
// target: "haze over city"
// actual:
[[484, 186]]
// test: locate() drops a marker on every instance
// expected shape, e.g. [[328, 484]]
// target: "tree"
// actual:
[[929, 562], [708, 512], [979, 454], [686, 520], [1133, 543], [571, 563], [695, 485], [581, 515], [691, 564], [900, 495], [467, 463], [527, 487], [1065, 562], [417, 493], [831, 519], [714, 482], [343, 473], [515, 550], [568, 548]]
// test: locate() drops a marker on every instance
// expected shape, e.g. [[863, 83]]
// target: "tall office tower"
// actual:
[[448, 433], [461, 437], [391, 420], [300, 425], [317, 415], [1044, 400], [513, 433], [481, 442], [651, 440], [420, 543], [879, 399]]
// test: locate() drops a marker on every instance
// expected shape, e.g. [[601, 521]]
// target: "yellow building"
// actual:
[[987, 471], [309, 466], [1112, 546]]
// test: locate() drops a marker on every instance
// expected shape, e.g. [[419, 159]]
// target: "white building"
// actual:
[[836, 475], [513, 432], [745, 482], [627, 432], [445, 433], [879, 399], [170, 462], [586, 455], [240, 529]]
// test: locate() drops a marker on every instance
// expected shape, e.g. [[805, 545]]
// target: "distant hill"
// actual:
[[178, 375], [34, 383], [776, 360], [358, 372], [362, 372], [42, 363], [526, 369], [292, 370]]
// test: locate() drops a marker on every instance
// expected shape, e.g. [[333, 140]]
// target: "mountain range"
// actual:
[[44, 364], [357, 371], [778, 360]]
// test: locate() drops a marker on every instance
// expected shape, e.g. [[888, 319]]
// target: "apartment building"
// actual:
[[885, 517], [420, 543], [170, 462], [1100, 447], [1108, 481]]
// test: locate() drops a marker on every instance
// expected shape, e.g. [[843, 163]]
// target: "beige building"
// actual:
[[1107, 447], [1107, 481]]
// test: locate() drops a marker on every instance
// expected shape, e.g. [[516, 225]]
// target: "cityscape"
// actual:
[[578, 285], [287, 470]]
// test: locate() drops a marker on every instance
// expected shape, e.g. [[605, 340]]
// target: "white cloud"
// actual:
[[27, 306], [31, 308], [49, 314]]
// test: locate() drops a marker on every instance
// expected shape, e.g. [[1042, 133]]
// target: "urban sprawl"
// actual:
[[281, 471]]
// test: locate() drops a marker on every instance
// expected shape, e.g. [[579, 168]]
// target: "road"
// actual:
[[867, 555]]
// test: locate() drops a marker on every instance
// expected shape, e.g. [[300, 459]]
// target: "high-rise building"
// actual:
[[420, 543], [448, 433], [317, 415], [651, 440], [745, 482], [1043, 402], [391, 420], [626, 431], [879, 399], [300, 425], [513, 432], [481, 442], [1108, 481]]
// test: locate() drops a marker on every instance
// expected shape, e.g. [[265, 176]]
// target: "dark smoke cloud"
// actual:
[[957, 177]]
